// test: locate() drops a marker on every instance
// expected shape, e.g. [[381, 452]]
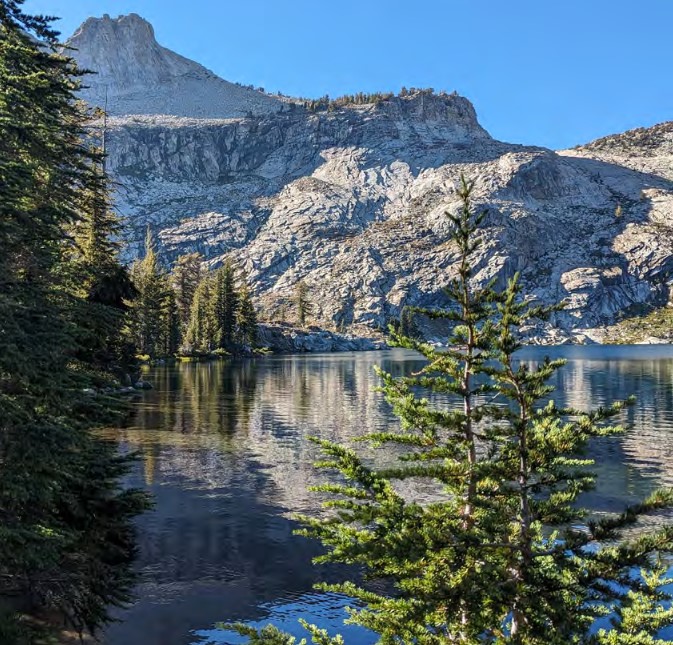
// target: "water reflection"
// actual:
[[225, 453]]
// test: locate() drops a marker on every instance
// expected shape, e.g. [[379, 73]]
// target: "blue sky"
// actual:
[[553, 73]]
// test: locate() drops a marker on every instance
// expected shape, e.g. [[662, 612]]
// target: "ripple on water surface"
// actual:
[[224, 449]]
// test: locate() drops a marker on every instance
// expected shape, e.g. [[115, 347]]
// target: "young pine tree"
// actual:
[[503, 553], [435, 554], [564, 571]]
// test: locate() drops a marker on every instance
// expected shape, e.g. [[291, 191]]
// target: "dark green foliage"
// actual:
[[246, 318], [171, 328], [99, 278], [185, 277], [151, 310], [222, 315], [502, 553], [225, 305], [202, 329], [66, 541], [407, 323], [189, 311]]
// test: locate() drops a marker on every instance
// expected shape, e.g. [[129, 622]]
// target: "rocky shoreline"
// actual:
[[282, 338]]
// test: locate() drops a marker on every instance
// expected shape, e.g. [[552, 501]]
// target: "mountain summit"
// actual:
[[140, 76], [350, 196]]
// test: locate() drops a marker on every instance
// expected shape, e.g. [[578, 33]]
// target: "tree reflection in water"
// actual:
[[225, 452]]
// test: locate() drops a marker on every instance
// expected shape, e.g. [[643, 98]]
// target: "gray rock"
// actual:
[[285, 339], [353, 202], [136, 75]]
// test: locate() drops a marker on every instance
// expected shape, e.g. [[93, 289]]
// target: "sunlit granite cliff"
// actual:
[[353, 200]]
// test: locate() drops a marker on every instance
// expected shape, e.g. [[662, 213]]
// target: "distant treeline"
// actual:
[[325, 103]]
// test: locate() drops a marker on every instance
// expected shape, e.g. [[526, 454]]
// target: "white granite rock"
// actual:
[[353, 201]]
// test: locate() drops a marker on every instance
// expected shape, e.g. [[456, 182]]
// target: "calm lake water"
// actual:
[[225, 453]]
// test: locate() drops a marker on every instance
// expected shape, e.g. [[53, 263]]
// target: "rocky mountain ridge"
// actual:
[[352, 201]]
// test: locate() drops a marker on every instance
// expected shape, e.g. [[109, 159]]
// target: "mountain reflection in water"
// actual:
[[224, 450]]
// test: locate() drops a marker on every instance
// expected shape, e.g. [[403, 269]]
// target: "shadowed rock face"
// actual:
[[353, 201]]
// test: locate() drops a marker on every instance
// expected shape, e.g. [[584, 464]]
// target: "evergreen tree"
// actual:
[[246, 317], [148, 314], [503, 553], [482, 563], [99, 277], [225, 304], [171, 332], [303, 306], [185, 278], [66, 541], [407, 323], [559, 584], [202, 331]]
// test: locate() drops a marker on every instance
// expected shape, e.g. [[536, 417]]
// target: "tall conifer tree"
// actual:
[[246, 317], [185, 277], [66, 542], [225, 304], [482, 563], [202, 331], [148, 319], [171, 333], [98, 276]]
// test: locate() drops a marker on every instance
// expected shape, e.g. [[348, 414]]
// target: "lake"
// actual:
[[224, 450]]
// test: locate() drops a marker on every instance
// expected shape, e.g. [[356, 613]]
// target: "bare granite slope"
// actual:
[[353, 201], [140, 76]]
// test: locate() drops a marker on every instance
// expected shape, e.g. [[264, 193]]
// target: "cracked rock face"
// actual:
[[353, 202]]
